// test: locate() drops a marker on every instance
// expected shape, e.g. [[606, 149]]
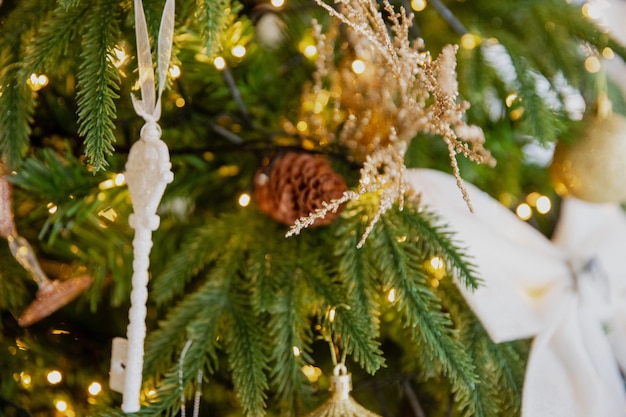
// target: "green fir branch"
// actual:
[[57, 37], [201, 247], [400, 263], [98, 82], [246, 349], [17, 100], [500, 367], [213, 17], [436, 240]]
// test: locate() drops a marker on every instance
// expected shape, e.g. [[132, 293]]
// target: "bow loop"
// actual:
[[569, 294]]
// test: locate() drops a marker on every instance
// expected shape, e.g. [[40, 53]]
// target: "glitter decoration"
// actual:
[[375, 114], [51, 295], [594, 167], [341, 403]]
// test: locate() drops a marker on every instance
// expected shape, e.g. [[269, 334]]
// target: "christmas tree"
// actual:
[[233, 176]]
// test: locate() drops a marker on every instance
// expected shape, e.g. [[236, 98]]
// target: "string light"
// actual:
[[94, 388], [25, 379], [244, 200], [608, 53], [175, 71], [238, 51], [469, 41], [296, 351], [544, 205], [37, 82], [312, 373], [52, 208], [331, 315], [60, 405], [179, 102], [309, 51], [54, 377], [358, 66], [302, 126], [592, 64], [120, 57], [277, 3], [391, 296], [523, 211], [219, 63], [418, 5], [119, 179], [510, 99]]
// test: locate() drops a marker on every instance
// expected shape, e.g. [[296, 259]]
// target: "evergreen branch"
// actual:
[[246, 349], [357, 273], [17, 100], [289, 327], [438, 241], [207, 302], [213, 16], [98, 82], [57, 37], [432, 328], [500, 367], [201, 247]]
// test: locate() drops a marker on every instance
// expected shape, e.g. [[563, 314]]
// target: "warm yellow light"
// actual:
[[310, 51], [106, 184], [517, 113], [25, 379], [94, 388], [510, 99], [238, 51], [358, 66], [418, 5], [436, 267], [608, 53], [54, 377], [543, 204], [312, 373], [331, 315], [296, 351], [37, 82], [523, 211], [179, 102], [60, 405], [52, 208], [434, 282], [592, 64], [120, 57], [244, 200], [302, 126], [219, 63], [469, 41], [391, 296], [277, 3], [591, 11], [175, 71], [119, 179]]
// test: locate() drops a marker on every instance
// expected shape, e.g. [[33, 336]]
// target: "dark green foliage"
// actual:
[[98, 81], [224, 278]]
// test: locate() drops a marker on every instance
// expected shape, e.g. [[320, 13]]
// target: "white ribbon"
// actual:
[[148, 171], [569, 294]]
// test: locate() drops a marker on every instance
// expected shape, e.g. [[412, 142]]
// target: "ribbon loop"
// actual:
[[569, 294]]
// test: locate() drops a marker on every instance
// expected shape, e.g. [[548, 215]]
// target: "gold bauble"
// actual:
[[594, 167]]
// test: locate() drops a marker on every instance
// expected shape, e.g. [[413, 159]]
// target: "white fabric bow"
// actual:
[[569, 294], [147, 175]]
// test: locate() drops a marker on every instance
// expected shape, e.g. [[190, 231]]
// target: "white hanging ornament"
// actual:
[[568, 294], [147, 174], [594, 167], [341, 403]]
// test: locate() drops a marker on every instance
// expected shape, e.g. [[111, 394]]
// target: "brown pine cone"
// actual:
[[295, 185]]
